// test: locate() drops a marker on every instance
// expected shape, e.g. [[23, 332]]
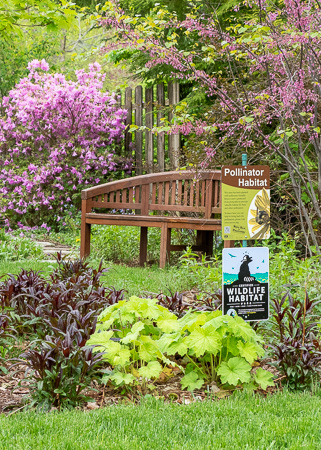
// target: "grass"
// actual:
[[150, 279], [15, 267], [146, 280], [284, 420], [136, 280]]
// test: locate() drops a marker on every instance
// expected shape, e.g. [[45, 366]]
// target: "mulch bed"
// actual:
[[14, 391]]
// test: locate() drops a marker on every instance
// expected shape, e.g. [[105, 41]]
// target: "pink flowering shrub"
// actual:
[[57, 137]]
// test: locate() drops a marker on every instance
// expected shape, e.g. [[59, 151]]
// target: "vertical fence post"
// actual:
[[148, 139], [149, 125], [173, 139], [244, 163], [119, 148], [128, 135], [161, 135], [138, 133]]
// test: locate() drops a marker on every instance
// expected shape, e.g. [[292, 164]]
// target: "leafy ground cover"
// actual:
[[284, 420]]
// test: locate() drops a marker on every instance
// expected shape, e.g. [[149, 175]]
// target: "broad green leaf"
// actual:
[[106, 313], [116, 354], [177, 347], [231, 343], [241, 328], [112, 348], [167, 322], [204, 340], [191, 381], [120, 378], [234, 371], [101, 339], [121, 358], [105, 325], [263, 378], [148, 350], [250, 351], [143, 307], [166, 340], [193, 321], [152, 370], [133, 335], [217, 322]]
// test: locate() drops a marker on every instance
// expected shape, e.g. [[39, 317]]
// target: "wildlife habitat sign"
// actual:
[[246, 282], [245, 202]]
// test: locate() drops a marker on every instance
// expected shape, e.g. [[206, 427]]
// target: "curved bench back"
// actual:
[[183, 191]]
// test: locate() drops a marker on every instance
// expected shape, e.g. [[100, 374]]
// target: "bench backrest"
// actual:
[[183, 191]]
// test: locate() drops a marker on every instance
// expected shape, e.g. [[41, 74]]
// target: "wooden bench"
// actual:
[[168, 200]]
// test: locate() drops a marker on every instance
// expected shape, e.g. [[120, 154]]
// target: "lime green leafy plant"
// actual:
[[140, 337], [219, 349], [128, 333]]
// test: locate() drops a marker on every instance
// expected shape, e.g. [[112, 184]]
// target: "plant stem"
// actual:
[[212, 367]]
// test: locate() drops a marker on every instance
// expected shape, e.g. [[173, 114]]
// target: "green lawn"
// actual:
[[136, 280], [15, 267], [284, 420]]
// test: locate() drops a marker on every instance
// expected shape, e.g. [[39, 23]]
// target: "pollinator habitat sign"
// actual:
[[245, 202], [246, 282]]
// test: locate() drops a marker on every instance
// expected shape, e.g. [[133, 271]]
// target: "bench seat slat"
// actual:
[[115, 205], [149, 221], [182, 208], [151, 218]]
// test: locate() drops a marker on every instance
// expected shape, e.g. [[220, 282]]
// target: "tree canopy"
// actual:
[[17, 14]]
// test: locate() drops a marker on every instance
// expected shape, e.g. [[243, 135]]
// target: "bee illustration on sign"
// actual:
[[245, 282], [259, 216]]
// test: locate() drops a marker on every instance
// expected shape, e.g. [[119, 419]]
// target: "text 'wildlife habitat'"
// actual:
[[246, 282]]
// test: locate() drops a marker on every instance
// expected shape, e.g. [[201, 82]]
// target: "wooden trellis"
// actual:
[[151, 153]]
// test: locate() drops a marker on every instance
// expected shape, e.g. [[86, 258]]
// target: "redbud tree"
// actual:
[[270, 97], [56, 137]]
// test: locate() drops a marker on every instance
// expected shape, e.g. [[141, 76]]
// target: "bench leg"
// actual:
[[204, 240], [143, 246], [209, 243], [85, 240], [229, 244], [165, 245]]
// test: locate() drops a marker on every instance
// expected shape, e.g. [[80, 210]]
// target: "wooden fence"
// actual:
[[151, 153]]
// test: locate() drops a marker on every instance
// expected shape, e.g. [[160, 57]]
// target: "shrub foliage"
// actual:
[[56, 137]]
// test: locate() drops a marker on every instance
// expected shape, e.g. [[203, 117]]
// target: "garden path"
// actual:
[[50, 249]]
